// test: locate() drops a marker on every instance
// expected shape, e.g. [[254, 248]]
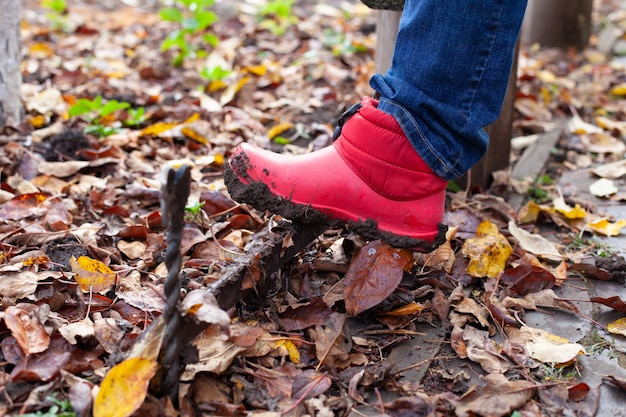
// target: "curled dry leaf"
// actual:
[[614, 302], [535, 244], [618, 382], [26, 328], [498, 398], [545, 347], [488, 252], [617, 327], [202, 305], [607, 228]]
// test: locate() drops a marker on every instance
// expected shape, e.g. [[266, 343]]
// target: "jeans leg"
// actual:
[[449, 75]]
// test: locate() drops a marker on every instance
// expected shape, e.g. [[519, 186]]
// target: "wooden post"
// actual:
[[497, 156], [558, 23], [387, 23]]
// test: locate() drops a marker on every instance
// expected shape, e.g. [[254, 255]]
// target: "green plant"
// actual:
[[577, 243], [594, 343], [552, 372], [216, 73], [57, 14], [195, 208], [194, 18], [59, 409], [96, 112], [277, 16], [340, 45], [136, 117]]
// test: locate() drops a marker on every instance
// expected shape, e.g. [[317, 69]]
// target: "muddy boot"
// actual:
[[371, 181]]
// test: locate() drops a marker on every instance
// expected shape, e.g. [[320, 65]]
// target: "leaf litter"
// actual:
[[82, 247]]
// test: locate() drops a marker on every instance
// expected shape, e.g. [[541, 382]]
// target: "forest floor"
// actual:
[[519, 313]]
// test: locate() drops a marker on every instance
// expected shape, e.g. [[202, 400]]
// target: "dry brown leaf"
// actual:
[[535, 243], [374, 274], [498, 398], [23, 322]]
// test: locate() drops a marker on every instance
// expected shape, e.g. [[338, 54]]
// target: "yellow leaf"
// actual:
[[91, 274], [406, 310], [606, 228], [256, 69], [124, 388], [529, 213], [286, 345], [37, 121], [41, 50], [488, 251], [192, 118], [156, 129], [217, 85], [278, 129], [619, 90], [571, 213], [617, 327], [192, 134], [229, 94]]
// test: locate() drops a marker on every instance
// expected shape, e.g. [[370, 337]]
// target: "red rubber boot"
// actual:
[[371, 181]]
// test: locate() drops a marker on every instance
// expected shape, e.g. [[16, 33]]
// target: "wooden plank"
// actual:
[[387, 22]]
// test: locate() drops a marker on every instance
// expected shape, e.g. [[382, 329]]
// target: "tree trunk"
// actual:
[[557, 23], [10, 75]]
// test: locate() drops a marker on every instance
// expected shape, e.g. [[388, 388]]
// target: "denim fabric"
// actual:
[[448, 78]]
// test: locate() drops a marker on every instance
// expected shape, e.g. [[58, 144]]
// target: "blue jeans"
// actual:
[[449, 75]]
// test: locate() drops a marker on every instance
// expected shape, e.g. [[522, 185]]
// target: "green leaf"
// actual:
[[171, 14], [112, 106], [82, 106], [211, 39], [205, 19]]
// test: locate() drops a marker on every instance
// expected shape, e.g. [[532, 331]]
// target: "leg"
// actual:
[[449, 76]]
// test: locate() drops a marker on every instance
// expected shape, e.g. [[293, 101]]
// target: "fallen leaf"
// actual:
[[498, 398], [617, 327], [202, 305], [569, 212], [92, 274], [546, 347], [535, 244], [603, 188], [331, 343], [18, 285], [286, 347], [524, 279], [372, 276], [310, 384], [578, 392], [26, 328], [488, 251], [316, 312], [607, 228], [612, 170], [124, 388]]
